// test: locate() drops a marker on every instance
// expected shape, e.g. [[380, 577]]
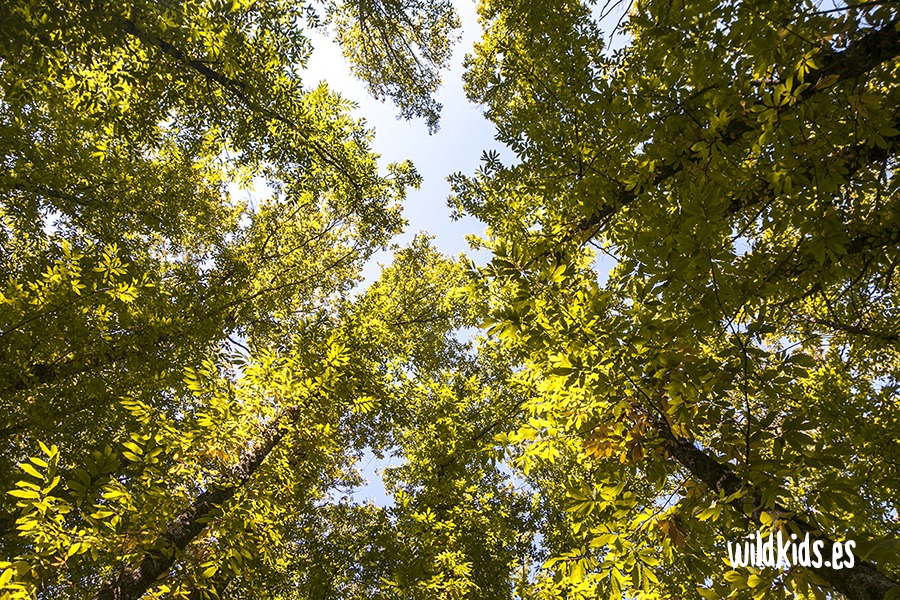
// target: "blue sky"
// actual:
[[458, 146]]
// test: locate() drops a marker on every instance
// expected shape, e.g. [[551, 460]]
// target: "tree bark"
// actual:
[[132, 582], [862, 582]]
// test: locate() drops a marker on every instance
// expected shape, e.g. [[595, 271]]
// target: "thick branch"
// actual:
[[238, 88], [860, 57], [862, 582], [39, 373], [862, 330], [131, 583], [167, 48]]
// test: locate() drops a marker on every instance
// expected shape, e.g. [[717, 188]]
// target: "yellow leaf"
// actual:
[[31, 470], [208, 572], [26, 494]]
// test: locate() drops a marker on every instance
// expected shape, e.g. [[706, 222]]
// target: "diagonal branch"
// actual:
[[131, 583], [237, 88], [860, 57], [862, 582], [131, 28]]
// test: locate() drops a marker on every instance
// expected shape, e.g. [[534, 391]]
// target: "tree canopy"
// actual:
[[737, 369], [188, 378]]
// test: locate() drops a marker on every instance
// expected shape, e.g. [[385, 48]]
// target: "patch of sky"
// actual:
[[371, 469], [604, 262], [610, 15], [468, 334], [742, 245], [249, 195], [51, 222], [887, 382], [456, 147]]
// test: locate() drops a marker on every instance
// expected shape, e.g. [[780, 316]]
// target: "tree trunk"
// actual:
[[862, 582], [132, 582]]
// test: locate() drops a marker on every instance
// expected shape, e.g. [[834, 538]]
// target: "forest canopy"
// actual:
[[188, 379]]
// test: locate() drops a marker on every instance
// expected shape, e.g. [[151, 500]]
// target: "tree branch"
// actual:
[[860, 57], [133, 582], [862, 582]]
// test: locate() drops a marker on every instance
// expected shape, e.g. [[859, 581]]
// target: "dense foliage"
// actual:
[[738, 369], [189, 374], [186, 379]]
